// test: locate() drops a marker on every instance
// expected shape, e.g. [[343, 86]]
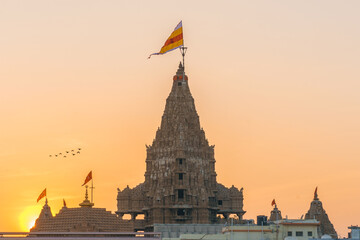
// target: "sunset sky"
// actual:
[[276, 86]]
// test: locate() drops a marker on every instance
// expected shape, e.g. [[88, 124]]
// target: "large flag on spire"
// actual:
[[88, 178], [175, 40], [42, 194]]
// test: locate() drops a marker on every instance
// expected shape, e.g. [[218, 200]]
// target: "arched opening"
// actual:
[[126, 217]]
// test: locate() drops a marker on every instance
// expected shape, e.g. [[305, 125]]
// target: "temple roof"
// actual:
[[180, 124], [82, 219]]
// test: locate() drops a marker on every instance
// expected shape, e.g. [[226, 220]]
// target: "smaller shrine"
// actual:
[[85, 218], [317, 212], [275, 214]]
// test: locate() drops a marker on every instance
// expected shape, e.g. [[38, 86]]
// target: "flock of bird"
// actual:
[[66, 153]]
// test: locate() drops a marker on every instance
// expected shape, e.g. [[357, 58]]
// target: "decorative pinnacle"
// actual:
[[86, 202], [315, 194], [86, 193], [180, 71]]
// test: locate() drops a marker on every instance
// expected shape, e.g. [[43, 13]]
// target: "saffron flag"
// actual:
[[175, 41], [88, 178], [42, 194], [273, 202], [64, 202]]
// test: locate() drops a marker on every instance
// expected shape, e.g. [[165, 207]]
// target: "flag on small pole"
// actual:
[[64, 202], [88, 178], [42, 194], [174, 41], [273, 202]]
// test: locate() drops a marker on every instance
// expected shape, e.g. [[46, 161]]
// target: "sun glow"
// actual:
[[28, 217]]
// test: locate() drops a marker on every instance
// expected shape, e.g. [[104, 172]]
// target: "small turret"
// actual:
[[275, 214], [45, 215], [46, 211]]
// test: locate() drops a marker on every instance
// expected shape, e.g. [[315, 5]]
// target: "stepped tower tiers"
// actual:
[[317, 212], [180, 179]]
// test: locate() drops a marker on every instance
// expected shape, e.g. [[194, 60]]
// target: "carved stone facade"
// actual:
[[317, 212], [180, 179]]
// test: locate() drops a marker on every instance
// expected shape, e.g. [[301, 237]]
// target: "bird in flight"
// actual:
[[65, 153]]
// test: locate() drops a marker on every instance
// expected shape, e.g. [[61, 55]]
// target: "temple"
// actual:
[[85, 218], [317, 212], [180, 194], [180, 180]]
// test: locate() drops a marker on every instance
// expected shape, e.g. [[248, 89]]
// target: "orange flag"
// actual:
[[64, 202], [42, 194], [273, 202], [88, 178]]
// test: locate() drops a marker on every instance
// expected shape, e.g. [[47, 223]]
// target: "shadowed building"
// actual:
[[86, 218], [317, 212], [180, 180]]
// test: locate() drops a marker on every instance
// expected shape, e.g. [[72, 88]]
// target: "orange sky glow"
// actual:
[[276, 86]]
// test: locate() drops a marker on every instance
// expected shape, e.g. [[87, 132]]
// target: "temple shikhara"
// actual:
[[180, 193], [317, 212], [180, 179]]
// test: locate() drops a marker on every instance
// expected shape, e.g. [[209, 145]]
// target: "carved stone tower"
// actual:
[[317, 212], [180, 179]]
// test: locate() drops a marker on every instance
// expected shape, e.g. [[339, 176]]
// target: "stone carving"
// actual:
[[180, 179], [317, 212]]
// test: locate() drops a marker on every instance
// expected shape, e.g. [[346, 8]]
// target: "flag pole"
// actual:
[[92, 188], [183, 52]]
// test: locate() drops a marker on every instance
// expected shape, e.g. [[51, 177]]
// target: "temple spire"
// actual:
[[318, 212], [86, 202], [275, 214]]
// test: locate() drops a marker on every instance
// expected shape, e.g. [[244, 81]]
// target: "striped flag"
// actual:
[[175, 41], [42, 194]]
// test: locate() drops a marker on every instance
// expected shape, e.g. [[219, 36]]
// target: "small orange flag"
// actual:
[[64, 202], [88, 178], [273, 202], [42, 194]]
